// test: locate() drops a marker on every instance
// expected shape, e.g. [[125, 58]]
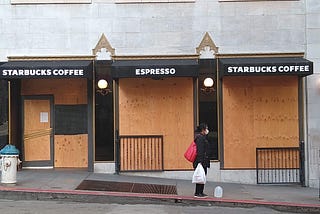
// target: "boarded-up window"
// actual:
[[258, 112]]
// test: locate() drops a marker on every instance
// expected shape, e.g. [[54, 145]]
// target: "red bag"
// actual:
[[191, 152]]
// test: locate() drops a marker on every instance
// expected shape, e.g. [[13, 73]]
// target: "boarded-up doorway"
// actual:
[[37, 131]]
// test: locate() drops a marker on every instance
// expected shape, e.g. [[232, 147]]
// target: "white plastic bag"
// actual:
[[199, 176]]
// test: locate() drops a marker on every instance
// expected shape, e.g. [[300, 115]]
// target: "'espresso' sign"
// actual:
[[154, 68], [155, 71]]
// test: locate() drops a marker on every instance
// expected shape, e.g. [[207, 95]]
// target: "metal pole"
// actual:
[[117, 162], [9, 111], [302, 168]]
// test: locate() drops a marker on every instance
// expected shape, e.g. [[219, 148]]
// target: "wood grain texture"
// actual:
[[36, 133], [66, 91], [71, 150], [258, 112], [159, 107]]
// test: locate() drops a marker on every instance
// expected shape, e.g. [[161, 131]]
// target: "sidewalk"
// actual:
[[61, 185]]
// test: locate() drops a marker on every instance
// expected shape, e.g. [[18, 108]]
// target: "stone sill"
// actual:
[[51, 1]]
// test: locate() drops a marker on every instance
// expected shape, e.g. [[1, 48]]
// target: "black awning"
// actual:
[[155, 68], [265, 66], [46, 69]]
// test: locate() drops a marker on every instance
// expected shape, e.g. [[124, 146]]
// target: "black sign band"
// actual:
[[265, 66], [154, 68], [46, 69]]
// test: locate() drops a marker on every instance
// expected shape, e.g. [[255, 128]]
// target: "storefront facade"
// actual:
[[262, 116], [156, 107], [155, 99], [50, 110]]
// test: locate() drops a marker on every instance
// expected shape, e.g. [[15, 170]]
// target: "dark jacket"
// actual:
[[202, 151]]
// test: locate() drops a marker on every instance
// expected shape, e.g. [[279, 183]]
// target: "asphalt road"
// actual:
[[53, 207]]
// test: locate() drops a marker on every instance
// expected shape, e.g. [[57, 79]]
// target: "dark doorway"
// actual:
[[104, 115], [208, 103]]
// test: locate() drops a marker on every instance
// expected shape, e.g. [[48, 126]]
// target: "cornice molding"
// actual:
[[146, 57], [124, 57], [246, 55], [46, 58]]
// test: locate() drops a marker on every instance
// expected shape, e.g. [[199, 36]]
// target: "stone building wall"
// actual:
[[313, 92], [151, 28], [171, 28]]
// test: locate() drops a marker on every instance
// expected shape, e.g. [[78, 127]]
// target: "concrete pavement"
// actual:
[[49, 184]]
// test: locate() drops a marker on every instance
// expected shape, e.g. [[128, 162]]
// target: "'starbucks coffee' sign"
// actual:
[[265, 66]]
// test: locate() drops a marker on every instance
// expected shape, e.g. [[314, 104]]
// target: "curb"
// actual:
[[138, 198]]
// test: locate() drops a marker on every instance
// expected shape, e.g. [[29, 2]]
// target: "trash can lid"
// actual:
[[9, 150]]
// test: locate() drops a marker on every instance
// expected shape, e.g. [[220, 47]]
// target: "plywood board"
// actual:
[[37, 130], [65, 91], [71, 150], [159, 107], [37, 149], [258, 112]]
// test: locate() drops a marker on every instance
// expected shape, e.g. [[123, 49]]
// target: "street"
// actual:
[[50, 207]]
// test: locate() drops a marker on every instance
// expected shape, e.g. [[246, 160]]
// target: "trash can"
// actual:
[[9, 161]]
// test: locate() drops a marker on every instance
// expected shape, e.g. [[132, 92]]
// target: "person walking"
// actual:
[[202, 156]]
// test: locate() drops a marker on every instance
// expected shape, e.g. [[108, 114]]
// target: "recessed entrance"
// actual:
[[208, 103], [104, 114]]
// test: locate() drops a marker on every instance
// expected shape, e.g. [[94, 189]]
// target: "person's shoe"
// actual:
[[200, 195], [204, 195]]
